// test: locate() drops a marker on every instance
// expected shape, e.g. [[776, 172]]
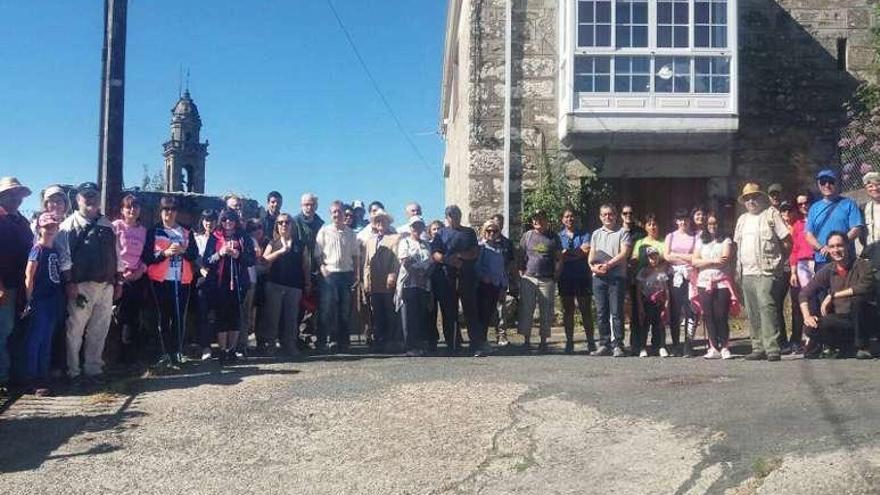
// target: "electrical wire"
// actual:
[[378, 90]]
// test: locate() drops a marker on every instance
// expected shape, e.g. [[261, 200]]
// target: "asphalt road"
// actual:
[[496, 425]]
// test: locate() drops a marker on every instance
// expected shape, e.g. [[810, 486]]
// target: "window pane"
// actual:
[[702, 84], [622, 65], [664, 13], [681, 37], [719, 37], [623, 36], [585, 11], [621, 84], [701, 13], [641, 84], [583, 65], [641, 65], [585, 36], [721, 66], [701, 65], [662, 85], [682, 84], [681, 12], [719, 13], [701, 36], [640, 13], [622, 13], [640, 36], [664, 36], [603, 84], [603, 65], [721, 84], [583, 84], [603, 11], [603, 35]]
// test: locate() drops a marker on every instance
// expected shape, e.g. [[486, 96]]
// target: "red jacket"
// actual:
[[158, 265]]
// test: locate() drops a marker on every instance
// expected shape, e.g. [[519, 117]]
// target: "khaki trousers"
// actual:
[[87, 326]]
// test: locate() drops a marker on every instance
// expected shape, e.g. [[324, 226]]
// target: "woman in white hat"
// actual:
[[17, 241]]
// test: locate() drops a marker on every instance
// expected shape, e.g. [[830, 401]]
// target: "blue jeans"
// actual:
[[334, 317], [609, 294], [7, 323], [38, 343]]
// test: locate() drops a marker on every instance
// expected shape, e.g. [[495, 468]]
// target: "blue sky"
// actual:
[[283, 101]]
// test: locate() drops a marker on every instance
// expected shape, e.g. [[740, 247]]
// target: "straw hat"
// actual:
[[749, 189], [12, 184]]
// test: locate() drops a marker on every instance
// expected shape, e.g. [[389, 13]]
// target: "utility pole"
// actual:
[[112, 105]]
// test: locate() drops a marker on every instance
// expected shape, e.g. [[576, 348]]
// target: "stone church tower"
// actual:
[[184, 154]]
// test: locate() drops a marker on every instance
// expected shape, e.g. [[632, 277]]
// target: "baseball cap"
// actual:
[[774, 188], [826, 173], [871, 177], [414, 220], [357, 204], [88, 189]]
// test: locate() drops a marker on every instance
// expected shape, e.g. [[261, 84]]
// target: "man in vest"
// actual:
[[761, 237], [91, 269]]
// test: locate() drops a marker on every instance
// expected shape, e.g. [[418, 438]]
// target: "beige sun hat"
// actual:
[[749, 189], [11, 184]]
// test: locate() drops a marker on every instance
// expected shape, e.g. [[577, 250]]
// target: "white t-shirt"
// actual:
[[711, 251]]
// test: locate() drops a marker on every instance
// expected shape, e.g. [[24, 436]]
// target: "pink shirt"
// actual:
[[800, 248], [131, 244], [680, 243]]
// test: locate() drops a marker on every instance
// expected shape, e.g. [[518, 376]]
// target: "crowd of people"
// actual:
[[76, 288]]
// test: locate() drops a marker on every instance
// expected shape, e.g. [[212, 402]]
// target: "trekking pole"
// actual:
[[159, 317], [179, 328], [456, 337]]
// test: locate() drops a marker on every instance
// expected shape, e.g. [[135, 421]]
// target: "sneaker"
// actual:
[[414, 353], [786, 349], [773, 357], [864, 354], [643, 353], [601, 351], [756, 356], [502, 340], [206, 354], [569, 347], [663, 352], [725, 353], [687, 351], [591, 345], [177, 358], [618, 352], [712, 353]]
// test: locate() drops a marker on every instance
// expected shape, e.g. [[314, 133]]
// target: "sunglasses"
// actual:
[[803, 204], [491, 231], [827, 182], [626, 213], [282, 222], [169, 209]]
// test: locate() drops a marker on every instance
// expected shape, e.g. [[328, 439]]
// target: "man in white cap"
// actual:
[[762, 237], [17, 238]]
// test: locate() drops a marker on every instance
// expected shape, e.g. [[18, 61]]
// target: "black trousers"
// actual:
[[680, 311], [171, 305], [797, 318], [716, 315], [845, 330], [455, 286], [487, 303], [653, 323]]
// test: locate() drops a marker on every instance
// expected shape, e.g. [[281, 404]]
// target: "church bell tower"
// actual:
[[184, 154]]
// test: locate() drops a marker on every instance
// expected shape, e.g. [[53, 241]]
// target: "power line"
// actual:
[[378, 90]]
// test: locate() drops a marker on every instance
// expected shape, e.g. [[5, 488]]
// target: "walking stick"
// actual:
[[159, 319], [177, 316]]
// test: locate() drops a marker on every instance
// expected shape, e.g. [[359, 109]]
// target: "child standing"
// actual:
[[45, 300], [653, 282]]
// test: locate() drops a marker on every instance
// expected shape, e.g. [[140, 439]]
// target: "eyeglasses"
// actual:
[[827, 182], [626, 213], [802, 204], [282, 222]]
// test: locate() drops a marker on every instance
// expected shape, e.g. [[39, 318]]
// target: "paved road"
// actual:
[[498, 425]]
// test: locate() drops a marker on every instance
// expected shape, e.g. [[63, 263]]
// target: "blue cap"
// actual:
[[826, 173]]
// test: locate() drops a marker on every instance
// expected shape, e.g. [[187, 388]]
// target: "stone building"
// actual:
[[184, 153], [673, 102]]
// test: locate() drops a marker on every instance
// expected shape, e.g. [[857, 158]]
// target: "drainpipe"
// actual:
[[508, 87]]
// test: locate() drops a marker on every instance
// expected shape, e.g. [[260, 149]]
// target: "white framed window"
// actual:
[[594, 23], [632, 74], [592, 74], [649, 56]]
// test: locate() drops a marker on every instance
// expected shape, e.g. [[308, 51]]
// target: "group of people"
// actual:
[[75, 284]]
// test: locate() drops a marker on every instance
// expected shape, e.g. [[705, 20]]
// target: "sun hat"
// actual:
[[414, 220], [53, 190], [11, 184], [871, 177], [749, 189], [47, 218]]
